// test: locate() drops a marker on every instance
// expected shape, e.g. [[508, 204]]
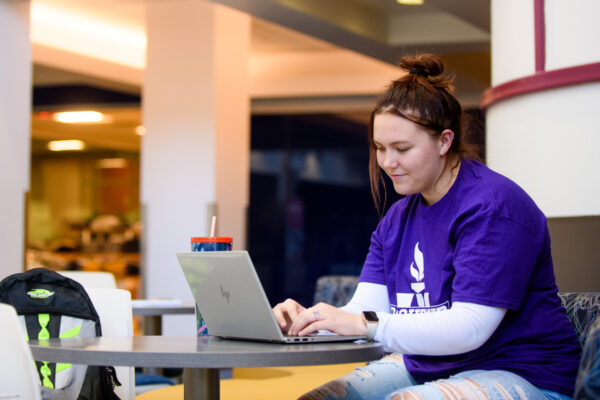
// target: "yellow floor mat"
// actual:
[[264, 383]]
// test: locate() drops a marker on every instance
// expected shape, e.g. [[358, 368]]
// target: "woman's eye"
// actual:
[[403, 149], [379, 149]]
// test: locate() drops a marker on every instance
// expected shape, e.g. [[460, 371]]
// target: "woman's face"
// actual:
[[410, 156]]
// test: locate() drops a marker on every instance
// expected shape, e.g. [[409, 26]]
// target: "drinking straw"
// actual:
[[212, 227]]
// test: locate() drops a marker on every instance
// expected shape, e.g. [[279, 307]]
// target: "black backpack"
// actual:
[[51, 305]]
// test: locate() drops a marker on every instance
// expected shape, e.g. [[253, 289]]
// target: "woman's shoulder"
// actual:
[[492, 185], [476, 172], [496, 195]]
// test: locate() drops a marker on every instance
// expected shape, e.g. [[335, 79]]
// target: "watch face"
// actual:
[[370, 316]]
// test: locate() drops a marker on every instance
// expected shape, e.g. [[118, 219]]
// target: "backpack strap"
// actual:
[[44, 326]]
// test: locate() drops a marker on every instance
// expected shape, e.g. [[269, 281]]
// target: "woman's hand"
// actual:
[[286, 313], [325, 316]]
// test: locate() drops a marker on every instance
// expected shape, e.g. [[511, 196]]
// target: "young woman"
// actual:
[[458, 284]]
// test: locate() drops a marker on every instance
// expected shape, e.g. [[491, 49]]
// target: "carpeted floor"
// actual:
[[264, 383]]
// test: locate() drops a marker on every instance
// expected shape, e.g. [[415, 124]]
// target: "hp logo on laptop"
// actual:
[[225, 294]]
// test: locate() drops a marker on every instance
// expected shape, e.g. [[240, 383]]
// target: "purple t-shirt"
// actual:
[[484, 242]]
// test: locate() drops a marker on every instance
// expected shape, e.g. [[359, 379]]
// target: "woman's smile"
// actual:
[[396, 177]]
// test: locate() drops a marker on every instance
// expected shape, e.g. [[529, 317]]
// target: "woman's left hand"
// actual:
[[325, 316]]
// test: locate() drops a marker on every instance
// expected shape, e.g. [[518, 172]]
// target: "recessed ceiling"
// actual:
[[294, 27]]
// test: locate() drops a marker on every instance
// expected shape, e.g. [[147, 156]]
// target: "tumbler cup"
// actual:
[[209, 243]]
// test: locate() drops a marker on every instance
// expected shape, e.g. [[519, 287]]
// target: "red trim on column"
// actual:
[[540, 35], [542, 81]]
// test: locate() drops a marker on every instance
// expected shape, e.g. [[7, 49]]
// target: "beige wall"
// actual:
[[575, 253]]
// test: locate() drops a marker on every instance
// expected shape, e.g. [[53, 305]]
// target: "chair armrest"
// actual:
[[587, 386], [583, 308]]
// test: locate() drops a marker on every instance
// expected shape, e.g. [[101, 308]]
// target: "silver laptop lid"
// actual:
[[229, 295], [232, 300]]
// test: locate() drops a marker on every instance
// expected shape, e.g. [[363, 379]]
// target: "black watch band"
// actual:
[[371, 322]]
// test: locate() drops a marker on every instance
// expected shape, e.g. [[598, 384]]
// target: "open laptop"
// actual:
[[232, 300]]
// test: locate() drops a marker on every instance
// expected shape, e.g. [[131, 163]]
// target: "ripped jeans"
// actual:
[[389, 379]]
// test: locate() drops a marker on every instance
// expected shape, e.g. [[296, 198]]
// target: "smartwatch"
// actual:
[[371, 321]]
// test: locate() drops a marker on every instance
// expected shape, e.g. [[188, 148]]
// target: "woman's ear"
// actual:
[[445, 141]]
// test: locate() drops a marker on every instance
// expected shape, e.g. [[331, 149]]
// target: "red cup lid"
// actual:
[[212, 239]]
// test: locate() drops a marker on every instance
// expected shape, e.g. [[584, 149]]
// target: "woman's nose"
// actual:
[[389, 161]]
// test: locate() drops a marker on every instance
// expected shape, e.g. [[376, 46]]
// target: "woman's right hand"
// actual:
[[286, 313]]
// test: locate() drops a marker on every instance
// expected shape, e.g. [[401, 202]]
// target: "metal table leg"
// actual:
[[153, 326], [201, 384]]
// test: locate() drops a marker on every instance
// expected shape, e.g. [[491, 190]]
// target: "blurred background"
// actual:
[[314, 71]]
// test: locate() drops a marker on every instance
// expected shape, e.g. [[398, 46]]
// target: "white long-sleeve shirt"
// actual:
[[461, 328]]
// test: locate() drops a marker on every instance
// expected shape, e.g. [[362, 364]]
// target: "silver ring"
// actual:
[[316, 312]]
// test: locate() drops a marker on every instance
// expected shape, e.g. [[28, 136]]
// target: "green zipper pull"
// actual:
[[43, 319], [46, 372]]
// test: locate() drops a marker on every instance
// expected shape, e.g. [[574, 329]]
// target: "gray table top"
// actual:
[[156, 309], [194, 352]]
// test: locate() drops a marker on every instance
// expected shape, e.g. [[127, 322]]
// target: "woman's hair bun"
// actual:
[[423, 64]]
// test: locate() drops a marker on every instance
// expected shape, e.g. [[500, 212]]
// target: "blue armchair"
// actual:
[[336, 290], [583, 309]]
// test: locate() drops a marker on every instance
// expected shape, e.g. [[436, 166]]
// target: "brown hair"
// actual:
[[423, 96]]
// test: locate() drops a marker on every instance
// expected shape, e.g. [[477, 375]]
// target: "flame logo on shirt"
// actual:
[[417, 271], [405, 301]]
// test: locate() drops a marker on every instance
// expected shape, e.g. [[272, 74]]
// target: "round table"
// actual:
[[201, 357]]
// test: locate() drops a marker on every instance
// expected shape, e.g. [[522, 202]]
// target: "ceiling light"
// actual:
[[64, 145], [79, 117], [410, 2]]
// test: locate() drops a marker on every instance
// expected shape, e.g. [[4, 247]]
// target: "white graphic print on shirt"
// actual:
[[405, 301]]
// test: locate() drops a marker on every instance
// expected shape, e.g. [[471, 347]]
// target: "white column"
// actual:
[[232, 116], [15, 115], [547, 140], [195, 153]]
